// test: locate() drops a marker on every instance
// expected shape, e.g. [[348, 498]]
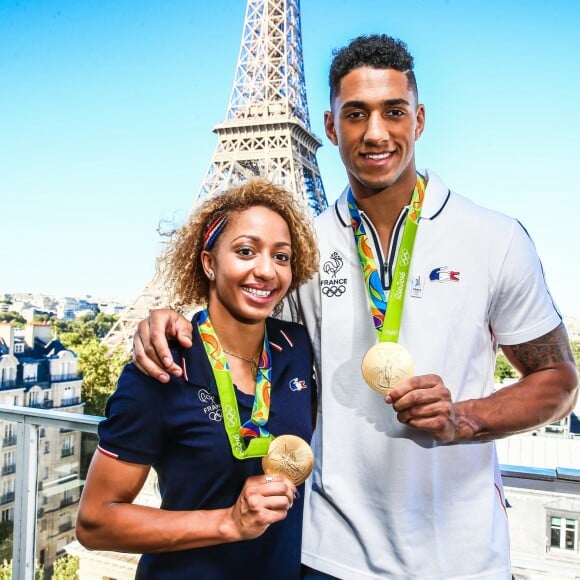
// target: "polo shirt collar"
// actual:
[[194, 363], [197, 368], [436, 196]]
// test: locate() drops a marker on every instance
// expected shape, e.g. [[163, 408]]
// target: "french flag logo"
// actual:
[[444, 274], [297, 385]]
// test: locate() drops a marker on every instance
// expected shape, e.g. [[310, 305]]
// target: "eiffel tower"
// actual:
[[266, 131]]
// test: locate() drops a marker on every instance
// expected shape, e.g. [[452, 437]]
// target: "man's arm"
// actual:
[[546, 392], [151, 352]]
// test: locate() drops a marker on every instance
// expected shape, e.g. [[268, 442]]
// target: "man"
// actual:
[[411, 488]]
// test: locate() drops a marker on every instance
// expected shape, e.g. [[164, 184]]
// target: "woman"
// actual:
[[241, 252]]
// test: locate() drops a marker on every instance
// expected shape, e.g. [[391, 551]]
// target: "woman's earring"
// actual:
[[211, 275]]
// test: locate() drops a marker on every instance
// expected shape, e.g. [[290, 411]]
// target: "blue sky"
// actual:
[[106, 111]]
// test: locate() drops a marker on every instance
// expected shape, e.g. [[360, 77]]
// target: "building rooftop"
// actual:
[[540, 451]]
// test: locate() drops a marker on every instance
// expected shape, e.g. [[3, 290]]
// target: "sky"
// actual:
[[107, 109]]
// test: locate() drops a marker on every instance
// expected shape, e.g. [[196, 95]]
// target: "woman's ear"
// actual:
[[207, 263]]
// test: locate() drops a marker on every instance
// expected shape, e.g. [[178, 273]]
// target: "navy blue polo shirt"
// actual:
[[178, 429]]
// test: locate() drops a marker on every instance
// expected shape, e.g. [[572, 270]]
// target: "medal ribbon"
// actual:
[[387, 316], [254, 429]]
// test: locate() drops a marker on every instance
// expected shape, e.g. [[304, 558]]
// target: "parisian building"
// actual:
[[37, 371]]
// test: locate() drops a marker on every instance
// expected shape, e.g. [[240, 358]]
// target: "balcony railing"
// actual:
[[71, 401], [46, 404], [7, 497], [9, 468], [67, 452], [30, 422], [9, 441]]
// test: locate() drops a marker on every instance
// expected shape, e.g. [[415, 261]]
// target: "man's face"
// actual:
[[375, 121]]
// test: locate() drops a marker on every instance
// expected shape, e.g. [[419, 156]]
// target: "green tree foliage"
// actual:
[[48, 317], [101, 369], [576, 351], [6, 539], [13, 318], [66, 568], [503, 369], [75, 332], [6, 571]]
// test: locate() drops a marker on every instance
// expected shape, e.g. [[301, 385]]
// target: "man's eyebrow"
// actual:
[[362, 104]]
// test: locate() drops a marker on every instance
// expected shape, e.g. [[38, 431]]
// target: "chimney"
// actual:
[[37, 330], [7, 335]]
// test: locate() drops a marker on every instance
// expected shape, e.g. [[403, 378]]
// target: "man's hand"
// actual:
[[424, 402], [546, 392], [151, 353]]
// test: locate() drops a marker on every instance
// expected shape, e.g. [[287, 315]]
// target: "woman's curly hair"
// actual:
[[180, 264]]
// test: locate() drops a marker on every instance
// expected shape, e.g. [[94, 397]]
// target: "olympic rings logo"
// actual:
[[405, 257], [215, 415], [334, 290]]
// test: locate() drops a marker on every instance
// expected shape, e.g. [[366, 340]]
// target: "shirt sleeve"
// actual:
[[133, 428], [522, 308]]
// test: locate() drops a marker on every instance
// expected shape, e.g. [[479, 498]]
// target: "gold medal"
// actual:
[[291, 456], [385, 364]]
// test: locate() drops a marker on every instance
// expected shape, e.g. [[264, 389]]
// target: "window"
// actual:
[[7, 375], [7, 491], [33, 399], [9, 458], [9, 465], [9, 435], [563, 533], [67, 446], [29, 372], [8, 486]]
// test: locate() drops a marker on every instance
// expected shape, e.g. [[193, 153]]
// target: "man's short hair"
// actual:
[[375, 51]]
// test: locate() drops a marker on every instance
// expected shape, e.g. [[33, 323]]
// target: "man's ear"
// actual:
[[420, 121], [329, 127]]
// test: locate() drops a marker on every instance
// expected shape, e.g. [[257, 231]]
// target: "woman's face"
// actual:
[[251, 264]]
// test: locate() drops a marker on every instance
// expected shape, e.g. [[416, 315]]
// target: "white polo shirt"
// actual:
[[387, 501]]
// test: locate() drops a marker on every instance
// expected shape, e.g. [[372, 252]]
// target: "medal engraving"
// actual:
[[291, 456], [385, 364]]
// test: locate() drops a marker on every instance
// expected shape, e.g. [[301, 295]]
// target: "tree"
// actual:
[[6, 539], [575, 344], [101, 369], [66, 568], [72, 333], [13, 318], [503, 369], [46, 317], [6, 571]]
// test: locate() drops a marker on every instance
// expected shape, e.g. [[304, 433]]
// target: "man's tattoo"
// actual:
[[551, 348]]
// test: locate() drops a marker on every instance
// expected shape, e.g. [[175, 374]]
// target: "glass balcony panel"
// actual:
[[54, 449]]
